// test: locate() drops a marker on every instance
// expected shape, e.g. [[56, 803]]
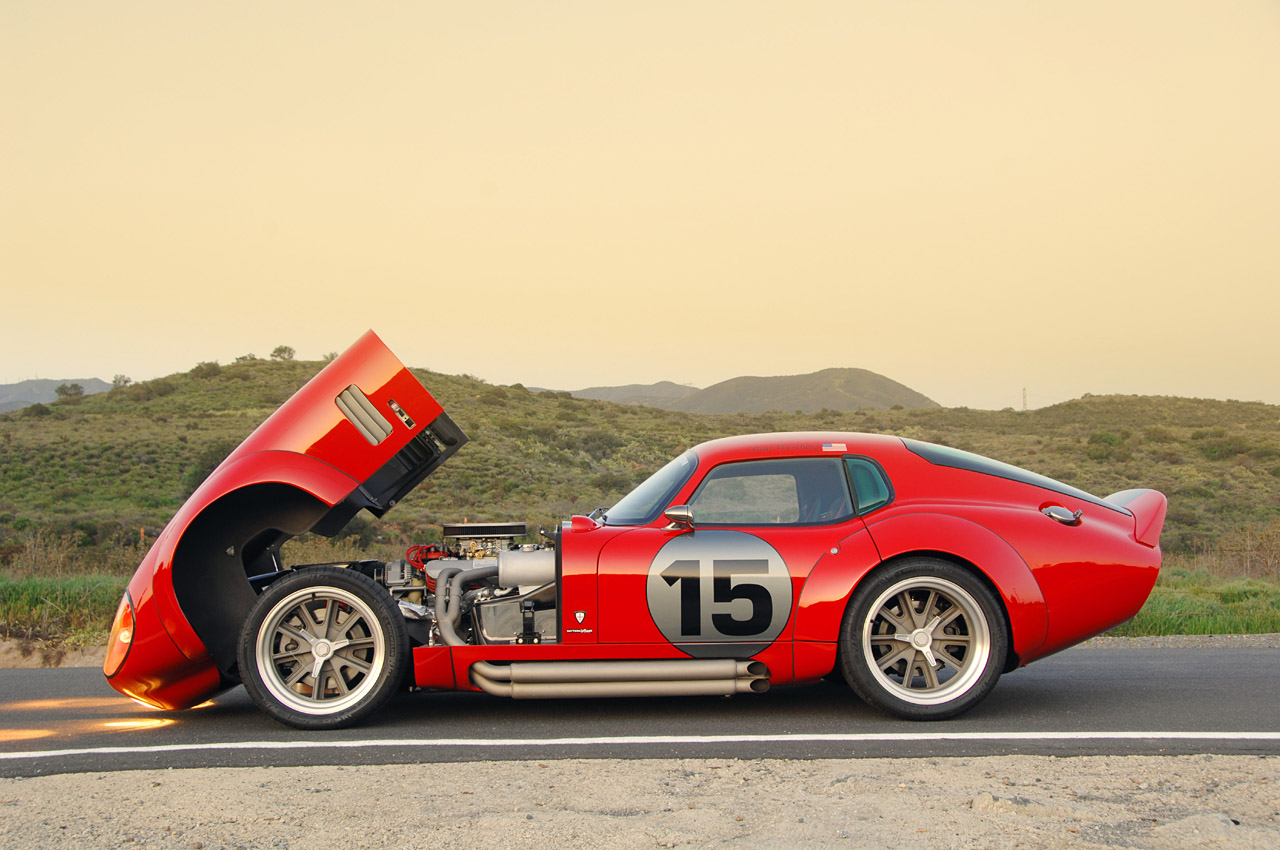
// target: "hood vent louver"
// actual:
[[360, 412]]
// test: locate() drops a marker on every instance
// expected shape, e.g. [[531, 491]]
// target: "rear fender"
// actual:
[[983, 550]]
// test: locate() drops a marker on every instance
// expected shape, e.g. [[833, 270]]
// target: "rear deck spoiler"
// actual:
[[1148, 508]]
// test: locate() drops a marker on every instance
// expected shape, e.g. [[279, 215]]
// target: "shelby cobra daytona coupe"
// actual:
[[917, 572]]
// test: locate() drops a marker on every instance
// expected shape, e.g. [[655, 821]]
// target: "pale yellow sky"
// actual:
[[969, 198]]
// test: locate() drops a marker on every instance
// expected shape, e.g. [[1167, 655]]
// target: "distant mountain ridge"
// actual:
[[828, 389], [662, 394], [42, 390]]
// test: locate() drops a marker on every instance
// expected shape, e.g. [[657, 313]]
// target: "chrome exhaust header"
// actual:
[[571, 679]]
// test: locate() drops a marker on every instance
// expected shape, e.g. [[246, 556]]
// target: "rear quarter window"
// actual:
[[871, 489]]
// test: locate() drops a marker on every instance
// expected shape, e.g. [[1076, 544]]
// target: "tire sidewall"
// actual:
[[855, 666], [395, 639]]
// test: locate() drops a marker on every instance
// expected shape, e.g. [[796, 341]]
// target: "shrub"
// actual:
[[599, 443], [1223, 448], [1106, 446], [148, 390], [206, 461], [69, 393], [206, 369], [612, 482]]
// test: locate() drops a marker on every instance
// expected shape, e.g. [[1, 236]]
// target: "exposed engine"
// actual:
[[480, 587]]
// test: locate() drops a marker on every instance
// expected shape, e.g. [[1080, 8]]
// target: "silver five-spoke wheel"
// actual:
[[926, 641], [923, 639], [322, 648]]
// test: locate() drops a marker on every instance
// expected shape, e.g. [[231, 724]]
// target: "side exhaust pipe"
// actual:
[[570, 679]]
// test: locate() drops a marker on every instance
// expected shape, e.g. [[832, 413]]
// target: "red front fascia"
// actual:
[[321, 480], [155, 671], [309, 445]]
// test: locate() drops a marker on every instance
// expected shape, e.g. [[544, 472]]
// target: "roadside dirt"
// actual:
[[1004, 802], [40, 654]]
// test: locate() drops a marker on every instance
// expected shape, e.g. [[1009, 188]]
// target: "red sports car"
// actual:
[[917, 572]]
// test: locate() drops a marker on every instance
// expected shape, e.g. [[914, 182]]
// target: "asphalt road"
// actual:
[[1086, 701]]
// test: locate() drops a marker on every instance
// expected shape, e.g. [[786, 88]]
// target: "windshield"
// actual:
[[643, 504]]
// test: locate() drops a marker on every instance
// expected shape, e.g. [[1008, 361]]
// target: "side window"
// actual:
[[870, 486], [773, 492]]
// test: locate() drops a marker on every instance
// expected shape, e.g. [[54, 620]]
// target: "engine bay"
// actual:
[[479, 587]]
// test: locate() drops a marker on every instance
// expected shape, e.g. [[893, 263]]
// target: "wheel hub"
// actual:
[[921, 639], [322, 650]]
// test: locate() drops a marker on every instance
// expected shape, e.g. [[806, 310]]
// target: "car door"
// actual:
[[726, 587]]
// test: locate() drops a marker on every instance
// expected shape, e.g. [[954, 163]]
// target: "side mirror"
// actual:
[[681, 517]]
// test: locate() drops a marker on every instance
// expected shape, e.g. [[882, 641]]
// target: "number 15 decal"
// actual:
[[689, 573], [718, 586]]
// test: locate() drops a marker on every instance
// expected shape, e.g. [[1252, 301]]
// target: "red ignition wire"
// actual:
[[419, 555]]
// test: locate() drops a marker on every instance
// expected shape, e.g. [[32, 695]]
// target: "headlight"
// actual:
[[121, 637]]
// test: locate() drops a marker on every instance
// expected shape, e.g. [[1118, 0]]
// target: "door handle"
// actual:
[[1060, 514]]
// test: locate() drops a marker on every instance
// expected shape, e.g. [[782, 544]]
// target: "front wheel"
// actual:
[[323, 648], [923, 639]]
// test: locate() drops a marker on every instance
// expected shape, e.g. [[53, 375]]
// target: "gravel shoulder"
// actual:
[[25, 654], [1003, 802]]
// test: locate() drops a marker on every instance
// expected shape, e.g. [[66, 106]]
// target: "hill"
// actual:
[[99, 471], [830, 389], [43, 390], [662, 394]]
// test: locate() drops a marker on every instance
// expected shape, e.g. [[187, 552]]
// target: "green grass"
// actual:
[[1189, 601], [74, 609]]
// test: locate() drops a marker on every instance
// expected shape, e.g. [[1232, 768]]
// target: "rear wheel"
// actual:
[[323, 648], [923, 639]]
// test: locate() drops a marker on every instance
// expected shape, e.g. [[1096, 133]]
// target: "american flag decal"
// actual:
[[834, 447]]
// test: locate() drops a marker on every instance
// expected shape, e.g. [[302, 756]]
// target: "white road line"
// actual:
[[871, 737]]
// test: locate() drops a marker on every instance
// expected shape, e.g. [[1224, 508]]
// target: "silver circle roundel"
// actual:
[[717, 586]]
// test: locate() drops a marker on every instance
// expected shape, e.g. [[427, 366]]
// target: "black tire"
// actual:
[[888, 653], [323, 648]]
